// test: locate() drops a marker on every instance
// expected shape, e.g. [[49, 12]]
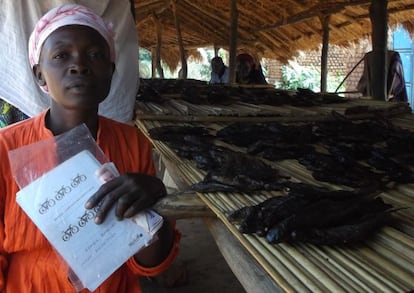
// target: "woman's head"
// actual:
[[217, 64], [244, 64], [68, 14], [72, 55]]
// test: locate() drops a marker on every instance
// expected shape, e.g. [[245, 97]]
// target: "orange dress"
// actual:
[[28, 262]]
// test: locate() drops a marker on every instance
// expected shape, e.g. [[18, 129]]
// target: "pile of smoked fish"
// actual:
[[364, 157], [315, 215], [198, 92]]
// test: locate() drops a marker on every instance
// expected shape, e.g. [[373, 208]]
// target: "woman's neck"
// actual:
[[60, 120]]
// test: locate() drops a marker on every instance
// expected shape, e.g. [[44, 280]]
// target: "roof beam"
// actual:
[[150, 7], [314, 11], [351, 20], [390, 11]]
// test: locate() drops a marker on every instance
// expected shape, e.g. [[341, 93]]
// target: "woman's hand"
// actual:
[[129, 193]]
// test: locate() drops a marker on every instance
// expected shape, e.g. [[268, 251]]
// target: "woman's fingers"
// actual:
[[126, 194], [136, 207], [101, 193]]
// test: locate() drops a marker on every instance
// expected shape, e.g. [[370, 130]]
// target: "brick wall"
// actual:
[[340, 63]]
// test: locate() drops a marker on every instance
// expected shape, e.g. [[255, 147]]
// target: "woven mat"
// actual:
[[180, 110], [383, 264]]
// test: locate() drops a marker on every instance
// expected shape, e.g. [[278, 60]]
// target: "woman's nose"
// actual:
[[79, 70], [79, 66]]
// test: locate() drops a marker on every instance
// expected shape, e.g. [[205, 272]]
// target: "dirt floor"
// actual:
[[207, 271]]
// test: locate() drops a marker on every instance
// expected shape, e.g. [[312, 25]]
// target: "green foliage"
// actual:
[[144, 63], [144, 55], [196, 69], [334, 82], [293, 75], [296, 76], [203, 72]]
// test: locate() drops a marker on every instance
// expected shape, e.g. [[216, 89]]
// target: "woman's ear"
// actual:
[[38, 75]]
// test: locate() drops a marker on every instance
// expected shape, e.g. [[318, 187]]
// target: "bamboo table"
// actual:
[[384, 264]]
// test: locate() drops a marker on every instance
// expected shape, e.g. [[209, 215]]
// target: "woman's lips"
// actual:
[[79, 85]]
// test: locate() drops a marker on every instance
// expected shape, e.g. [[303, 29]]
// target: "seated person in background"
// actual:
[[247, 72], [72, 55], [219, 71], [396, 88]]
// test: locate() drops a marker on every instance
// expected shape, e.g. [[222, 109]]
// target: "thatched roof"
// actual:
[[266, 28]]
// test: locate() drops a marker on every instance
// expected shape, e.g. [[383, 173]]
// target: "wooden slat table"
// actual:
[[384, 264], [182, 111]]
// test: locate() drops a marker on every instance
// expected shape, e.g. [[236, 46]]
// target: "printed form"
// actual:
[[55, 203]]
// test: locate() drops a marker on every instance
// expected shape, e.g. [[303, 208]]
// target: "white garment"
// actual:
[[18, 86]]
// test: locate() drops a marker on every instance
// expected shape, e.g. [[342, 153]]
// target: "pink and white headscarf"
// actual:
[[68, 14]]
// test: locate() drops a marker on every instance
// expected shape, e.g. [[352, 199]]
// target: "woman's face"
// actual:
[[217, 66], [75, 65], [243, 69]]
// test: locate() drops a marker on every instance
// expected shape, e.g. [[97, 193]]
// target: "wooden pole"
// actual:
[[251, 274], [325, 50], [183, 73], [378, 72], [158, 49], [153, 63], [216, 49], [234, 14], [132, 5]]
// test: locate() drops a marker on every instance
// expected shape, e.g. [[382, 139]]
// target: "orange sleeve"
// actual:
[[153, 271], [3, 255]]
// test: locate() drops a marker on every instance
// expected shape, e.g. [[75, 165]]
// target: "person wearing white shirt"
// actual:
[[219, 71]]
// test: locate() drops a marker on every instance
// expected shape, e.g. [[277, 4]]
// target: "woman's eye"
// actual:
[[59, 55], [96, 55]]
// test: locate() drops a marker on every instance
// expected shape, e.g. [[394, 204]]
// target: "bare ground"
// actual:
[[206, 269]]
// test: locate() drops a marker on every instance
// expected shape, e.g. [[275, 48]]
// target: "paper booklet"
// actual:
[[149, 220], [55, 203]]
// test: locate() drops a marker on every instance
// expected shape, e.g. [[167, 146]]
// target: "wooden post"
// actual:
[[378, 74], [153, 63], [249, 272], [216, 49], [183, 74], [158, 49], [233, 41], [132, 5], [325, 19]]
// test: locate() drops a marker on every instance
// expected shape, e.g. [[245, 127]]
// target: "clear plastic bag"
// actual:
[[30, 162], [57, 176]]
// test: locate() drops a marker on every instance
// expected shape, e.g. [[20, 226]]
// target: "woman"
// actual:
[[19, 89], [72, 55], [247, 72]]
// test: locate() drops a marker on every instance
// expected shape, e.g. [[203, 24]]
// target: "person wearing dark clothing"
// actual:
[[247, 72], [396, 89]]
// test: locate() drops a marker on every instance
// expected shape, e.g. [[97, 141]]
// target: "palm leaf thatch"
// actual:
[[266, 28]]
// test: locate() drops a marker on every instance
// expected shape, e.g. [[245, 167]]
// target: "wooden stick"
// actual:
[[181, 206]]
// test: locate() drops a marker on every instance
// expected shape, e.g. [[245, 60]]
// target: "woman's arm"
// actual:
[[157, 252]]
